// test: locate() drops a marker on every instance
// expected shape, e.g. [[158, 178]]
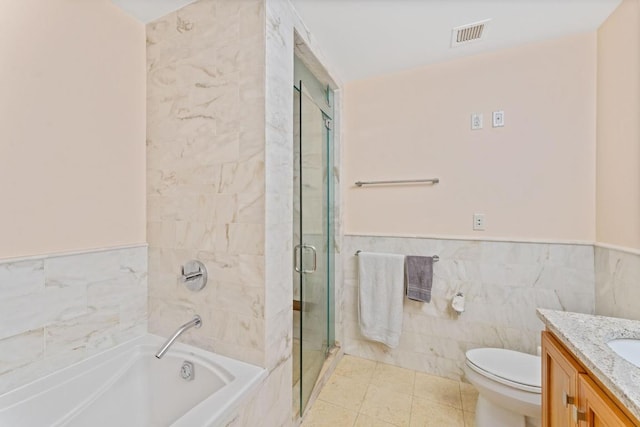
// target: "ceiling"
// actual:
[[365, 38], [146, 11]]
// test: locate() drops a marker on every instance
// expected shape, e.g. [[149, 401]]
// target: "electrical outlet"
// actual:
[[478, 222], [476, 121], [498, 119]]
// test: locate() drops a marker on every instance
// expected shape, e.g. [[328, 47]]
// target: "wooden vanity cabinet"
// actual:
[[559, 384], [570, 397]]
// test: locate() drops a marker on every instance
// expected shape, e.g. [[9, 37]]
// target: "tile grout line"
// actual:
[[464, 421], [369, 381], [411, 409], [413, 394]]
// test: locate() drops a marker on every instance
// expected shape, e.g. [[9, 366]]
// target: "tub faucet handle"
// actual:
[[194, 275]]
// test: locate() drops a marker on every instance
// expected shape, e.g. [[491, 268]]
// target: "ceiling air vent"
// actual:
[[469, 33]]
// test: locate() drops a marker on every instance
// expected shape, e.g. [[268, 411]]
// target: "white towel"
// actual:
[[381, 280]]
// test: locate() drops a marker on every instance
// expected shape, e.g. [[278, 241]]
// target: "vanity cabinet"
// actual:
[[570, 396], [559, 384]]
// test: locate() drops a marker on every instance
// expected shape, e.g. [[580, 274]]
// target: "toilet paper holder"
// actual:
[[457, 303]]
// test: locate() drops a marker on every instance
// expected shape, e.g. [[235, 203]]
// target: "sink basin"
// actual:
[[628, 349]]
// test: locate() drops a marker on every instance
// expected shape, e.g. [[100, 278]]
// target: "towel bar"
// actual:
[[436, 258], [401, 181]]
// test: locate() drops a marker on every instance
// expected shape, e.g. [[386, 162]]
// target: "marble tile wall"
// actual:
[[220, 183], [206, 173], [503, 284], [285, 34], [279, 183], [617, 275], [266, 406], [58, 310]]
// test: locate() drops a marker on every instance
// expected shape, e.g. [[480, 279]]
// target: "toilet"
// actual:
[[509, 386]]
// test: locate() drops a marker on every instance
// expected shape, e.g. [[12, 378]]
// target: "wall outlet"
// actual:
[[476, 121], [498, 119], [478, 222]]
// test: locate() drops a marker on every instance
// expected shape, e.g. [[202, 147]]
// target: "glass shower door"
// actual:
[[311, 237]]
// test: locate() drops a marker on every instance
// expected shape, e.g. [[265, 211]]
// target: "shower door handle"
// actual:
[[315, 259], [297, 260]]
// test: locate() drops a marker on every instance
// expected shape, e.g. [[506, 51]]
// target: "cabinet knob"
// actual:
[[567, 400], [578, 415]]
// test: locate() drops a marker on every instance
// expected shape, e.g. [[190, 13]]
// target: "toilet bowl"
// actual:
[[509, 386]]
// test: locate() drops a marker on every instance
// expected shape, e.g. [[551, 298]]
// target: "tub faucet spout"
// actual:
[[196, 321]]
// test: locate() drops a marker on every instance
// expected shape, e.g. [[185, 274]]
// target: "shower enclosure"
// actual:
[[313, 233]]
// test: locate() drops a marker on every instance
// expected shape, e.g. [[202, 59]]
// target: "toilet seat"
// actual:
[[512, 368]]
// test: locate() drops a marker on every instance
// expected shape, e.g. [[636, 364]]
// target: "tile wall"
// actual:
[[285, 34], [206, 173], [220, 183], [503, 284], [279, 187], [59, 309], [617, 273], [269, 405]]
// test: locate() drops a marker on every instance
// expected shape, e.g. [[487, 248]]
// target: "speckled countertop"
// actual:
[[586, 336]]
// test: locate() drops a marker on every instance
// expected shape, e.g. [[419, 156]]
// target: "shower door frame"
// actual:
[[323, 103]]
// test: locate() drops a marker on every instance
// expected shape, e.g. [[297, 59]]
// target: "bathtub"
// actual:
[[128, 386]]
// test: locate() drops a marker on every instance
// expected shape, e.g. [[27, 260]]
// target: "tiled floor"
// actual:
[[364, 393]]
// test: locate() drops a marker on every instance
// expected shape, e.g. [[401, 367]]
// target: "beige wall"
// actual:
[[618, 164], [72, 125], [618, 135], [533, 179]]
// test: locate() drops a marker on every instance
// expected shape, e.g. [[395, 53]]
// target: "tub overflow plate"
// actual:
[[187, 371]]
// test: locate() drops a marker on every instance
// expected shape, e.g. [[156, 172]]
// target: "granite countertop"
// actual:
[[586, 336]]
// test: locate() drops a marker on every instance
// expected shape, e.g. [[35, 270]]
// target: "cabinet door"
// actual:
[[596, 409], [559, 384]]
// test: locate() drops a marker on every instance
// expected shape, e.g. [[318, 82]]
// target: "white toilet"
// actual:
[[509, 386]]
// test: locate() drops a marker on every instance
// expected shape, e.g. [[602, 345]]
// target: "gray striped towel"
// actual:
[[419, 277]]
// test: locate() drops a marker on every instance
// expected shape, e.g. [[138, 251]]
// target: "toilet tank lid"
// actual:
[[510, 365]]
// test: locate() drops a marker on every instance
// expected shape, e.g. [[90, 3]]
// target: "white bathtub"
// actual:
[[128, 387]]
